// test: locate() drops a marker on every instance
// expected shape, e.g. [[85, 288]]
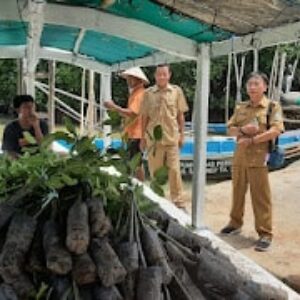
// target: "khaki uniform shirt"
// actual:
[[162, 107], [255, 155]]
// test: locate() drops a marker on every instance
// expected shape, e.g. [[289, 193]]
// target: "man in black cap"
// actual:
[[13, 137]]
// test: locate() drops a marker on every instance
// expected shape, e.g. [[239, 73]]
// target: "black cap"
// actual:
[[19, 99]]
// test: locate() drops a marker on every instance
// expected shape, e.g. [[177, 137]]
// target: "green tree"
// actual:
[[8, 83]]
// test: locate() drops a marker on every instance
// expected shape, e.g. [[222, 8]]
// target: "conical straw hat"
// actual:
[[135, 72]]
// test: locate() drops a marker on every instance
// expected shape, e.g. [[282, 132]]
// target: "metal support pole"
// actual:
[[228, 87], [51, 96], [35, 25], [201, 118], [256, 60], [82, 127], [280, 76], [106, 95], [91, 105]]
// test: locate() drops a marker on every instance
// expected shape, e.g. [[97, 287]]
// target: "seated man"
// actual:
[[13, 139]]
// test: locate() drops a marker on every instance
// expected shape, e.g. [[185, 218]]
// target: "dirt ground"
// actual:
[[283, 260]]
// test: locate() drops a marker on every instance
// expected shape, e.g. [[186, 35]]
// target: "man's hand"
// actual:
[[143, 144], [244, 142], [250, 129], [181, 140], [34, 120], [109, 104], [23, 142]]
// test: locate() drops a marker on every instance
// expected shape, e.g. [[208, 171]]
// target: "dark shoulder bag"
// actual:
[[276, 155]]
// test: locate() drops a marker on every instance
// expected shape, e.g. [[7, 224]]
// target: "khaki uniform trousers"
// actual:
[[168, 156], [260, 192]]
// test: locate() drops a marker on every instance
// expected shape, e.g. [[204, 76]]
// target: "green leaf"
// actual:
[[114, 119], [157, 133], [55, 182], [76, 168], [59, 135], [70, 126], [157, 188], [66, 294], [161, 175], [30, 150], [85, 144], [76, 291], [29, 138], [42, 291], [47, 140], [125, 138], [112, 191], [68, 180], [121, 167], [135, 162], [147, 206]]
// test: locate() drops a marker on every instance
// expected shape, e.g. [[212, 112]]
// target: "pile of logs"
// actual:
[[77, 253]]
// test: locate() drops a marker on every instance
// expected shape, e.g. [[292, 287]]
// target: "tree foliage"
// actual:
[[68, 78], [8, 83]]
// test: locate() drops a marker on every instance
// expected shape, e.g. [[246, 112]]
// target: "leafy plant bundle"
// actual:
[[43, 186], [70, 230]]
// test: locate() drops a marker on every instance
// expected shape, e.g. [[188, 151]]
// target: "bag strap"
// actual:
[[272, 144]]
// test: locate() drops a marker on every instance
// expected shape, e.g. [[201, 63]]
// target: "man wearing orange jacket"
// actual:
[[136, 80]]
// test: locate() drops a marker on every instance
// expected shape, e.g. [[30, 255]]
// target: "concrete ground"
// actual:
[[283, 259]]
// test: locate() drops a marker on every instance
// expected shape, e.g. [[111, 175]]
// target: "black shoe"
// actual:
[[230, 230], [263, 244]]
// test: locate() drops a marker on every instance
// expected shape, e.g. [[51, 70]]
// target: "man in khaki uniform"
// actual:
[[249, 125], [164, 104]]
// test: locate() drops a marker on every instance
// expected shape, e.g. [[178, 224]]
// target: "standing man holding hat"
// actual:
[[136, 81]]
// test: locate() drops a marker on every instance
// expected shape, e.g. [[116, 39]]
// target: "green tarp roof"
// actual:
[[190, 19], [157, 15], [106, 48]]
